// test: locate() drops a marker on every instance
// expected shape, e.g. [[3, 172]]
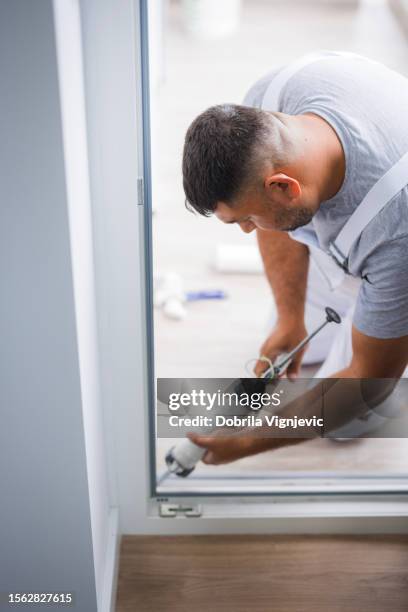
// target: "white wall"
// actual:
[[70, 73]]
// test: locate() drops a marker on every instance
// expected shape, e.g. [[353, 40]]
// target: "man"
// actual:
[[296, 175]]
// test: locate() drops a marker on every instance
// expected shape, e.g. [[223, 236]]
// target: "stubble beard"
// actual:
[[290, 220]]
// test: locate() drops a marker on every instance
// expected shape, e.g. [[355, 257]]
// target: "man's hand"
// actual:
[[227, 448], [223, 448], [282, 340]]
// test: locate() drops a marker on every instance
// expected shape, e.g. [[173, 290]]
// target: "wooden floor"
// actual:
[[263, 573]]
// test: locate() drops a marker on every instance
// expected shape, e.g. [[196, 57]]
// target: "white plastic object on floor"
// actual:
[[169, 295], [170, 285], [174, 308]]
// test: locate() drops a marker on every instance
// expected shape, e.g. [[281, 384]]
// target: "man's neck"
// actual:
[[324, 161]]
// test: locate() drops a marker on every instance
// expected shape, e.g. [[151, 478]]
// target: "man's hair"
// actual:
[[221, 153]]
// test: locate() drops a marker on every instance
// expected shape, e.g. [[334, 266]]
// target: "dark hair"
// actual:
[[218, 152]]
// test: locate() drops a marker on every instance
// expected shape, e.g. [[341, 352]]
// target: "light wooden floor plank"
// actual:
[[263, 573]]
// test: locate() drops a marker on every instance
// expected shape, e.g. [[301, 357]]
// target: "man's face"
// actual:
[[272, 210]]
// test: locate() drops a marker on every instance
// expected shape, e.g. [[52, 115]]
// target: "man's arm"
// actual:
[[373, 358], [286, 265], [376, 357]]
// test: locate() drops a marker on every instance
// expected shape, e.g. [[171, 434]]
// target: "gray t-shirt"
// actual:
[[367, 105]]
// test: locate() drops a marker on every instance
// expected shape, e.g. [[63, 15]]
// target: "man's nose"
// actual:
[[247, 226]]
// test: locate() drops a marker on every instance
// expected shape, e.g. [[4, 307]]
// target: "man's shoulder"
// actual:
[[256, 92]]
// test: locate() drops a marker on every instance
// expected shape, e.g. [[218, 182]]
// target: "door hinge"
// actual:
[[140, 192], [174, 510]]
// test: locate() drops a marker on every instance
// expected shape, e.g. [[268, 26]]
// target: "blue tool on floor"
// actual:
[[195, 296]]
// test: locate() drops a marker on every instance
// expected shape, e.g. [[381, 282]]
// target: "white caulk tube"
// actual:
[[182, 458]]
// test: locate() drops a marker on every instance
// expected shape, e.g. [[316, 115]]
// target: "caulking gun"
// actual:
[[182, 458]]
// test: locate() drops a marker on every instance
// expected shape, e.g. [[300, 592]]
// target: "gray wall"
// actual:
[[45, 533]]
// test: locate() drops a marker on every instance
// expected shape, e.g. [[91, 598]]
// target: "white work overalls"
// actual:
[[339, 289]]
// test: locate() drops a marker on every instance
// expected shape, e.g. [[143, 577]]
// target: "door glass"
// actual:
[[213, 305]]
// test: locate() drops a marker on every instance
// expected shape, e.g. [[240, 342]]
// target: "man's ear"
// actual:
[[288, 187]]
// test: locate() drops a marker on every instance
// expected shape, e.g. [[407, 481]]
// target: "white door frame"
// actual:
[[117, 90]]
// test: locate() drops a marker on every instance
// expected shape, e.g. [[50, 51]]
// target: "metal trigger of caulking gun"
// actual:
[[182, 458]]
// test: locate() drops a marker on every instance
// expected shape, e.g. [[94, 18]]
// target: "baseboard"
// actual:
[[108, 600]]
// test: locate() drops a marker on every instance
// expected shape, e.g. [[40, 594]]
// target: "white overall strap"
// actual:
[[388, 186], [271, 97]]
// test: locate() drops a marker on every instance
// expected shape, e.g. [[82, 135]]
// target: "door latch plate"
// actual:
[[168, 510]]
